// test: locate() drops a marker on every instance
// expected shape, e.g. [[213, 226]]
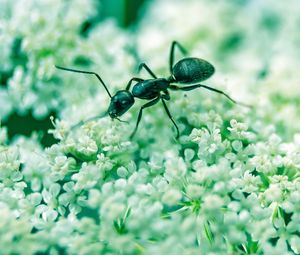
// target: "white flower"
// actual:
[[104, 163], [122, 172], [212, 203], [209, 142], [63, 165], [295, 244], [171, 197], [87, 146], [61, 128], [175, 169], [273, 193], [239, 131], [229, 185], [9, 161], [87, 177], [262, 163], [250, 183]]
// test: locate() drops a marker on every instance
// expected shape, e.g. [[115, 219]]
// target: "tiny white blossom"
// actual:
[[87, 146], [171, 197]]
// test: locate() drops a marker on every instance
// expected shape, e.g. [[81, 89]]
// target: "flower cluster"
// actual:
[[37, 36], [229, 185]]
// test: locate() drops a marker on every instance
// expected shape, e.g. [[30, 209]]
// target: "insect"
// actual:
[[186, 71]]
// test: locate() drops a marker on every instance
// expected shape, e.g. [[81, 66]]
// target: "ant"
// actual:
[[186, 71]]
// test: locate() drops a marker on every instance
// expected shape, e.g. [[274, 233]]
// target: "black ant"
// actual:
[[186, 71]]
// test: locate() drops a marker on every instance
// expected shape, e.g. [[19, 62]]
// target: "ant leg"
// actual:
[[172, 53], [131, 80], [86, 72], [124, 121], [188, 88], [184, 88], [143, 65], [170, 116], [154, 101], [166, 96]]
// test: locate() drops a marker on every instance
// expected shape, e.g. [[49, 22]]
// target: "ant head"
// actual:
[[120, 103]]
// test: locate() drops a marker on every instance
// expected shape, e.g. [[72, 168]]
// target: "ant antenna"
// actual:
[[82, 122], [86, 72]]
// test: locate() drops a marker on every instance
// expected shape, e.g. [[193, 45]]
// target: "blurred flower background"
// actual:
[[229, 185]]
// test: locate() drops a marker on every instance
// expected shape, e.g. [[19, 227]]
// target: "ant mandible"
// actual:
[[186, 71]]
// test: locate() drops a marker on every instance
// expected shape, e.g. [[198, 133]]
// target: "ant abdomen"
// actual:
[[191, 70]]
